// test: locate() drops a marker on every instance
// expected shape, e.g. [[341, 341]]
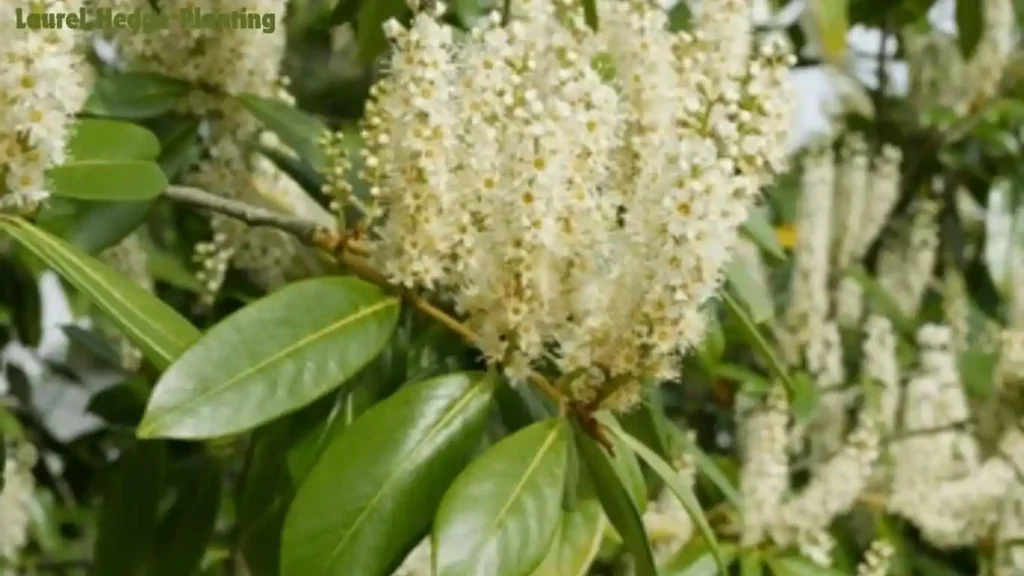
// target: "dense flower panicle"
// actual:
[[809, 302], [935, 399], [1009, 558], [44, 81], [764, 477], [958, 512], [907, 261], [849, 303], [574, 193], [956, 308], [833, 488], [824, 361], [941, 75], [15, 499]]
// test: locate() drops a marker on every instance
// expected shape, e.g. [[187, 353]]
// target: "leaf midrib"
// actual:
[[231, 382], [70, 261], [467, 396]]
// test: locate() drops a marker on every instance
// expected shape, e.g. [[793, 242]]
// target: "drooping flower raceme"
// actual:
[[574, 193], [44, 81]]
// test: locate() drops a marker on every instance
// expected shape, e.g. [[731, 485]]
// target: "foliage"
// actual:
[[259, 398]]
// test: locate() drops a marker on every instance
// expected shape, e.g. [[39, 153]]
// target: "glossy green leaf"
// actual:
[[271, 358], [135, 95], [674, 483], [128, 516], [370, 26], [977, 368], [185, 531], [576, 544], [296, 129], [615, 498], [753, 336], [95, 139], [970, 25], [160, 332], [393, 462], [804, 398], [759, 230], [468, 11], [751, 563], [121, 180], [627, 466], [179, 145], [752, 292], [501, 514]]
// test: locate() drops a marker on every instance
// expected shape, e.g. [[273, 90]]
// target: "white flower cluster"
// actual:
[[844, 205], [941, 76], [15, 499], [801, 519], [575, 193], [906, 262], [229, 62], [44, 81], [880, 366]]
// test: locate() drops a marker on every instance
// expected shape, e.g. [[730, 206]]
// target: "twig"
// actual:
[[309, 232]]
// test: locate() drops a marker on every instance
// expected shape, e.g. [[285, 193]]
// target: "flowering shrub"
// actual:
[[523, 288]]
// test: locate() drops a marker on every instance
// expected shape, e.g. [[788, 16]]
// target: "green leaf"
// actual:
[[179, 145], [95, 139], [970, 25], [271, 358], [135, 95], [160, 332], [185, 532], [370, 26], [750, 291], [616, 501], [759, 230], [19, 293], [468, 11], [501, 514], [393, 462], [977, 368], [751, 564], [754, 337], [804, 398], [590, 13], [101, 225], [121, 180], [674, 482], [679, 17], [576, 543], [296, 129], [128, 517], [628, 468]]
